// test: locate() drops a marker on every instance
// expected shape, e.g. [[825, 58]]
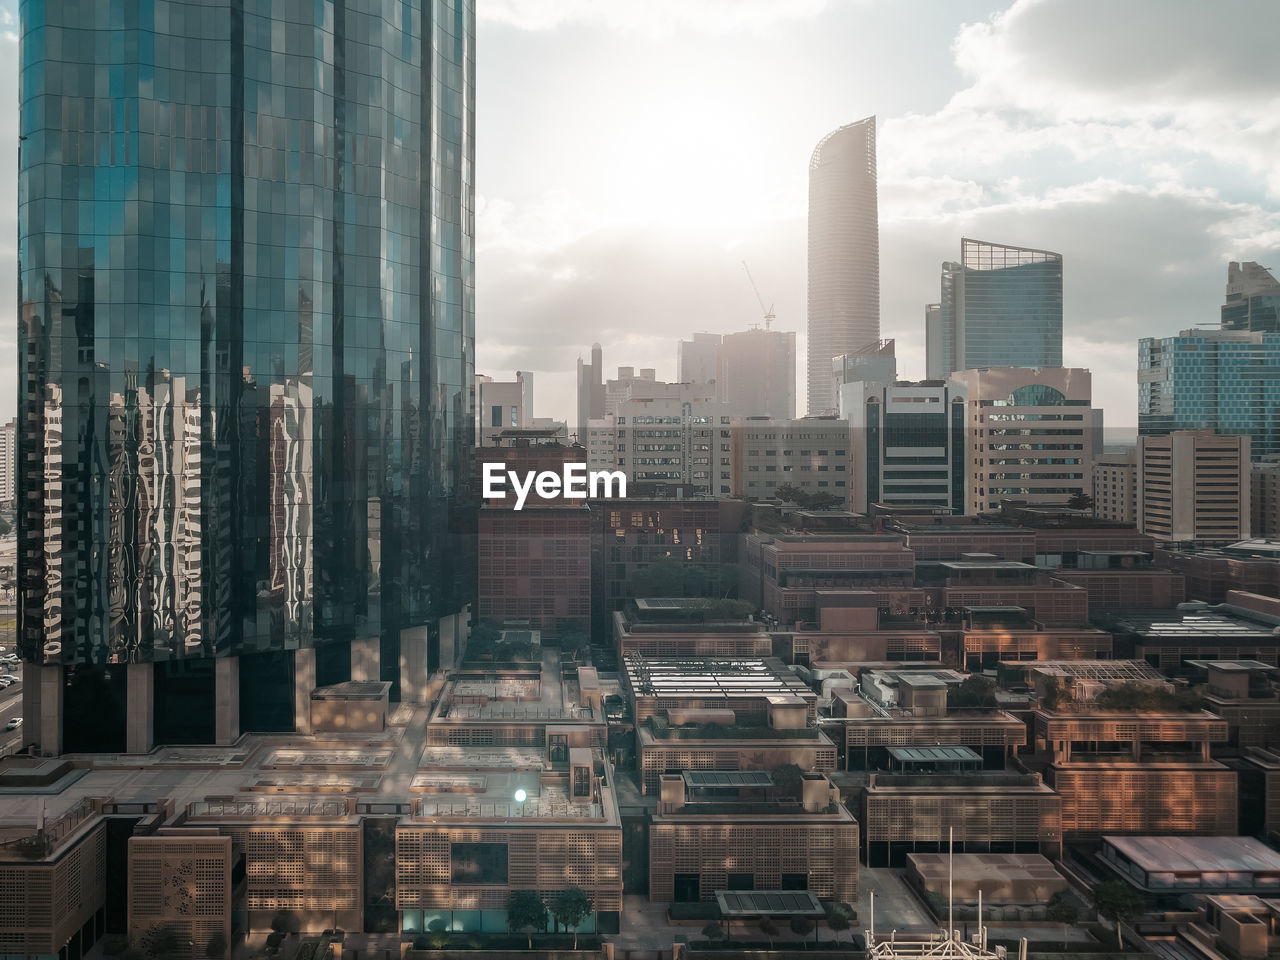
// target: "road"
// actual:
[[10, 706]]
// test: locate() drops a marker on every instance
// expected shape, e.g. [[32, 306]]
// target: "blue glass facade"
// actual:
[[1001, 306], [1224, 381], [246, 320]]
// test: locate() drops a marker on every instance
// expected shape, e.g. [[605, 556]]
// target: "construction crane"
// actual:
[[767, 311]]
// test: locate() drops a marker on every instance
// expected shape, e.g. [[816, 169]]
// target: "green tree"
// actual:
[[1061, 910], [526, 911], [1114, 901], [768, 928], [5, 527], [114, 944], [802, 927], [838, 923], [1080, 501], [571, 907], [573, 641], [670, 578], [1054, 693], [160, 942], [713, 931], [787, 778], [976, 691]]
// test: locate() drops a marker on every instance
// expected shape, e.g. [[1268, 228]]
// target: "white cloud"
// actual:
[[649, 17]]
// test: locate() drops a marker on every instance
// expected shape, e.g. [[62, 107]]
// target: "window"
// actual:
[[495, 416], [515, 415]]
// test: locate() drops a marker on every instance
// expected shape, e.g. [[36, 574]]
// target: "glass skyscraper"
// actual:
[[1253, 299], [246, 341], [844, 254], [1221, 380], [1000, 306]]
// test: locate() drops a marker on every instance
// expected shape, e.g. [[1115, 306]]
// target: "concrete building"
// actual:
[[1194, 486], [1243, 628], [1264, 499], [535, 566], [813, 454], [8, 461], [1243, 693], [757, 373], [731, 830], [1115, 486], [1032, 435], [698, 535], [698, 360], [983, 812], [844, 253], [910, 444], [893, 709], [503, 404], [791, 575], [1001, 306], [686, 627], [1210, 573], [1146, 771], [590, 378]]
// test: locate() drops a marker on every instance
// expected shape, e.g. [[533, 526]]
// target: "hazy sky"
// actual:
[[630, 153]]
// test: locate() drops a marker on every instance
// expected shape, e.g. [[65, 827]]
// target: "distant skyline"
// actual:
[[631, 154]]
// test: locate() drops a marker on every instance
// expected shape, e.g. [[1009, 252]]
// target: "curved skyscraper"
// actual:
[[844, 253], [246, 339]]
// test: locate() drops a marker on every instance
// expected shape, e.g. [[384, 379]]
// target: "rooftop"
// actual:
[[1197, 854], [714, 677]]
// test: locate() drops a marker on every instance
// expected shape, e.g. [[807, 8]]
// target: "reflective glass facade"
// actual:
[[1225, 381], [246, 326], [1001, 306], [844, 253]]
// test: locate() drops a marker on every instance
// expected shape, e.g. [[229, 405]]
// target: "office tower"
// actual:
[[1264, 499], [697, 360], [590, 390], [1115, 486], [245, 360], [936, 346], [908, 444], [1194, 486], [758, 373], [811, 454], [1253, 299], [8, 461], [1000, 306], [1219, 380], [503, 405], [875, 363], [1031, 433], [844, 253]]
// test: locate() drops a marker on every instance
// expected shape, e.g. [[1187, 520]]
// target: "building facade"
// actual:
[[503, 405], [1031, 434], [1252, 300], [1115, 486], [1264, 499], [1001, 306], [844, 253], [1194, 486], [8, 461], [757, 375], [245, 353], [1218, 380], [910, 444], [812, 454]]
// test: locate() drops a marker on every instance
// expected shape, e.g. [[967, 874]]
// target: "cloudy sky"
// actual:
[[631, 153]]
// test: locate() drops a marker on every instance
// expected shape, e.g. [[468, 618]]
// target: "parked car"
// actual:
[[10, 677], [14, 723]]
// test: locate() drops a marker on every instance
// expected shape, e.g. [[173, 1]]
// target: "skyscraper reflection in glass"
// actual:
[[246, 326], [1000, 306]]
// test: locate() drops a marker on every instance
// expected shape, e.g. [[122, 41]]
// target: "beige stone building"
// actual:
[[1194, 486], [1032, 434], [1115, 486]]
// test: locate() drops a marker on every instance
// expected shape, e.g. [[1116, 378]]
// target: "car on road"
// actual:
[[10, 677], [14, 723], [4, 683]]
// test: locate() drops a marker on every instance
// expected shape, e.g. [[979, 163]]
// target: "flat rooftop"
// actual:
[[1192, 625], [715, 677], [1088, 669], [1197, 854]]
